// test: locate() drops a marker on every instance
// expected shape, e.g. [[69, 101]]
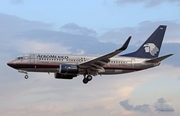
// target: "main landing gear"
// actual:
[[87, 79]]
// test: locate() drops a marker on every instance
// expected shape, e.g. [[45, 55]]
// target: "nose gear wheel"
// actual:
[[26, 76]]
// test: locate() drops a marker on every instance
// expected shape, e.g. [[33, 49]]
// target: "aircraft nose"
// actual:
[[10, 64]]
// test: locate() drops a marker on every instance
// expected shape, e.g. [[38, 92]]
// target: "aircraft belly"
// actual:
[[115, 71], [53, 70]]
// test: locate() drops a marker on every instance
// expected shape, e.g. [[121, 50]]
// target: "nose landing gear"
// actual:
[[25, 72], [26, 76]]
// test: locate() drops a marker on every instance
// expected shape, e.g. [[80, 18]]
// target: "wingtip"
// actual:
[[171, 54]]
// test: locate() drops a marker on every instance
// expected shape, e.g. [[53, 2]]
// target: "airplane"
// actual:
[[69, 66]]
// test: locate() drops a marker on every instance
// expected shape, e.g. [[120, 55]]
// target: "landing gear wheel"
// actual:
[[26, 76], [85, 80], [89, 77]]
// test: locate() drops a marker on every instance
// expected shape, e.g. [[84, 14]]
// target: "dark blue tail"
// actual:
[[151, 47]]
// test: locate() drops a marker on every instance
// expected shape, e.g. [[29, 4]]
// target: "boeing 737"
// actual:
[[68, 66]]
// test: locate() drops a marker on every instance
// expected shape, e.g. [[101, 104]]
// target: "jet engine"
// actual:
[[68, 69], [64, 76]]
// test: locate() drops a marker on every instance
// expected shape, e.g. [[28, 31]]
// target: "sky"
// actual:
[[88, 27]]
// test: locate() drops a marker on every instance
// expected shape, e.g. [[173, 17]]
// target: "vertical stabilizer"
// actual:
[[151, 47]]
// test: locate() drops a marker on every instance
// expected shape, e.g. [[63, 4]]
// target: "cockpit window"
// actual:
[[19, 58], [25, 57]]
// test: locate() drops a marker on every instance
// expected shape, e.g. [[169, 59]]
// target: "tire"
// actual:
[[85, 80], [26, 76], [89, 77]]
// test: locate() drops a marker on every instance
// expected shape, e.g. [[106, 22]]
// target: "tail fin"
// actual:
[[151, 47]]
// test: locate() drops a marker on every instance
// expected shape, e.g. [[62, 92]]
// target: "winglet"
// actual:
[[126, 44]]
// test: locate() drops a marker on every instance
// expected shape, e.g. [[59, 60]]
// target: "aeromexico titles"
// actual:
[[68, 66]]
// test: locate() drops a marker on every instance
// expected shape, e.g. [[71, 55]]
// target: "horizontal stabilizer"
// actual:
[[159, 59]]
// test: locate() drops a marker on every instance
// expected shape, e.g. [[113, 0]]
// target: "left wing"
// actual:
[[97, 63]]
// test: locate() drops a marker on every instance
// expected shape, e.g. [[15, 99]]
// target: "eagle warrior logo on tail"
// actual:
[[151, 48]]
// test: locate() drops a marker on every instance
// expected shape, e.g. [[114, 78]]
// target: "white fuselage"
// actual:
[[51, 63]]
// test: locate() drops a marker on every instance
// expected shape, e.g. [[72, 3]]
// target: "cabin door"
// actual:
[[32, 57]]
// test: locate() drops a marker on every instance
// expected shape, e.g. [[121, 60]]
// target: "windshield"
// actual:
[[19, 58], [25, 57]]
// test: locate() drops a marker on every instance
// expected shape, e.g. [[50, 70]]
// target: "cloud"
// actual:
[[34, 110], [12, 26], [148, 3], [125, 104], [75, 29], [33, 46], [142, 31], [145, 108], [18, 36], [162, 105], [14, 29], [38, 96]]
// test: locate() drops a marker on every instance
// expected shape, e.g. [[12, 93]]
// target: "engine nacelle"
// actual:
[[68, 69], [63, 76]]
